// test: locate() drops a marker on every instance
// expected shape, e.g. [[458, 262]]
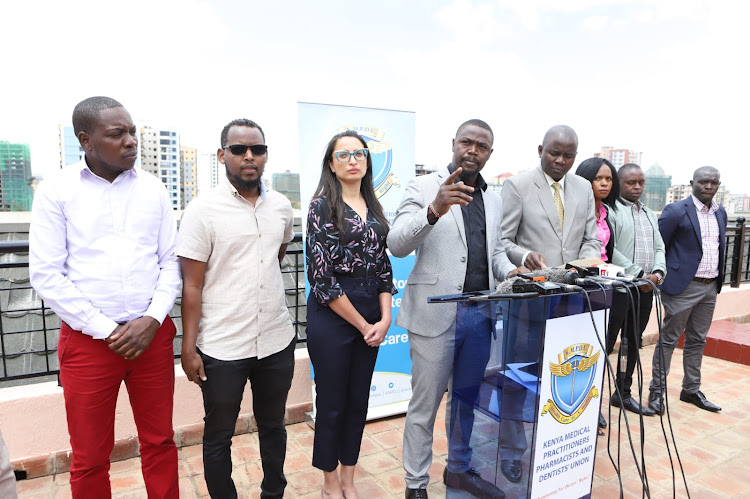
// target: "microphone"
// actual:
[[627, 278], [545, 281]]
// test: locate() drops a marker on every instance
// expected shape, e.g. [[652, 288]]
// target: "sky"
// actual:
[[667, 78]]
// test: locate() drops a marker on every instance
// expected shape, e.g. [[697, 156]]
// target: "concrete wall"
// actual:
[[732, 302], [33, 422]]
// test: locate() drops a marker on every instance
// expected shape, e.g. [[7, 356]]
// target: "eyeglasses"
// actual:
[[241, 149], [359, 155]]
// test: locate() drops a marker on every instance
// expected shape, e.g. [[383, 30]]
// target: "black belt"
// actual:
[[704, 280]]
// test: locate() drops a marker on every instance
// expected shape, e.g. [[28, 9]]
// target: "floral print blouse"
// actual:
[[360, 254]]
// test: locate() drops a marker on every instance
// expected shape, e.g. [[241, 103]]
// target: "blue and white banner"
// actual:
[[570, 396], [390, 137]]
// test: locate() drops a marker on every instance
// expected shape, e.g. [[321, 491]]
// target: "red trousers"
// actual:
[[91, 375]]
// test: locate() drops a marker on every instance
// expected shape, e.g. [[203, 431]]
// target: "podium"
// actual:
[[531, 400]]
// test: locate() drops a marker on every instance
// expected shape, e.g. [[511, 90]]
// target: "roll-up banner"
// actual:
[[389, 136]]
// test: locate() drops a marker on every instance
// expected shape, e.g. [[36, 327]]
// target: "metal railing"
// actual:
[[29, 329], [737, 263]]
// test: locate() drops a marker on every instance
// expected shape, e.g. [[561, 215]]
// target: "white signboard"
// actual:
[[572, 377]]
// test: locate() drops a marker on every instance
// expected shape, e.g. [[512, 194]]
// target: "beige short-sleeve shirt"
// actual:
[[243, 307]]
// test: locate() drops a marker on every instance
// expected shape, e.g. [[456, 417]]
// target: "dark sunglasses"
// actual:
[[241, 149]]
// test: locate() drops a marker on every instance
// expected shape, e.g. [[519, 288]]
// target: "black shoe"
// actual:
[[699, 400], [602, 421], [631, 405], [511, 469], [472, 482], [416, 494], [656, 402]]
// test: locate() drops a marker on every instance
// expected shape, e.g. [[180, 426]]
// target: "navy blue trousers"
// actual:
[[343, 365]]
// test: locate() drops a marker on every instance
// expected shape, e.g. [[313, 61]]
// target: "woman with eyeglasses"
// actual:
[[349, 306], [606, 185]]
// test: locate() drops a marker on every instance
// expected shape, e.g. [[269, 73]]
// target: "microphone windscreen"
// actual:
[[506, 286], [554, 274]]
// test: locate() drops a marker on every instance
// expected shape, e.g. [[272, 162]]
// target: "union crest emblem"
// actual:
[[381, 152], [572, 382]]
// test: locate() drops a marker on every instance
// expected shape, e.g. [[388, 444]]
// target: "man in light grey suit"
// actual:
[[548, 220], [453, 223], [533, 232]]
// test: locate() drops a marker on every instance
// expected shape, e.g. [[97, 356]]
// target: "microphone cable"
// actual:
[[663, 385], [610, 372], [634, 312]]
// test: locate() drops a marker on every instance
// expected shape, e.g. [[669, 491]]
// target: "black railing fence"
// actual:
[[29, 330], [737, 265]]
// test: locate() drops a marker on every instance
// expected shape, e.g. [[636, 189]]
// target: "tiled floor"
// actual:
[[714, 450]]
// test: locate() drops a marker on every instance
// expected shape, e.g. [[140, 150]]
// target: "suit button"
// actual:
[[460, 287], [565, 249], [463, 258]]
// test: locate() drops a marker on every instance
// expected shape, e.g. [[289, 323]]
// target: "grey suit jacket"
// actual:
[[442, 254], [530, 221]]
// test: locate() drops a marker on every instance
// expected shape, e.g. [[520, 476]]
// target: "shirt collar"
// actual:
[[638, 204], [83, 166], [603, 211], [702, 207], [551, 181], [231, 189]]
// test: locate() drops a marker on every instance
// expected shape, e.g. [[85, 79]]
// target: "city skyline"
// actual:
[[673, 88]]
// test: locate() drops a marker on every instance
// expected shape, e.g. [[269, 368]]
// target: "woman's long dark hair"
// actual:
[[589, 168], [329, 186]]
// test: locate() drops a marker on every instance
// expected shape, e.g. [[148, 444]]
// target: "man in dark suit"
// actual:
[[693, 231]]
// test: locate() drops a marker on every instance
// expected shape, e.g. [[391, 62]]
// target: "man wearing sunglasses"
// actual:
[[236, 326]]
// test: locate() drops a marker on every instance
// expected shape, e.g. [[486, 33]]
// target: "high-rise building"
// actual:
[[70, 149], [208, 164], [619, 157], [189, 169], [496, 183], [421, 169], [287, 183], [160, 156], [655, 193], [680, 192], [15, 177]]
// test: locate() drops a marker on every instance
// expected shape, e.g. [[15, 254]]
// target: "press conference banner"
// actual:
[[390, 138], [569, 399]]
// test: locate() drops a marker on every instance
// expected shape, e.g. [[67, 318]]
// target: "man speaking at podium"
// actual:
[[452, 221], [548, 215], [548, 220]]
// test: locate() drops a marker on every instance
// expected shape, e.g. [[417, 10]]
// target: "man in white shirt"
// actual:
[[236, 326], [102, 256]]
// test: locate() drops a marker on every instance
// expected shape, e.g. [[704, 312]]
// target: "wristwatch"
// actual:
[[660, 274]]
